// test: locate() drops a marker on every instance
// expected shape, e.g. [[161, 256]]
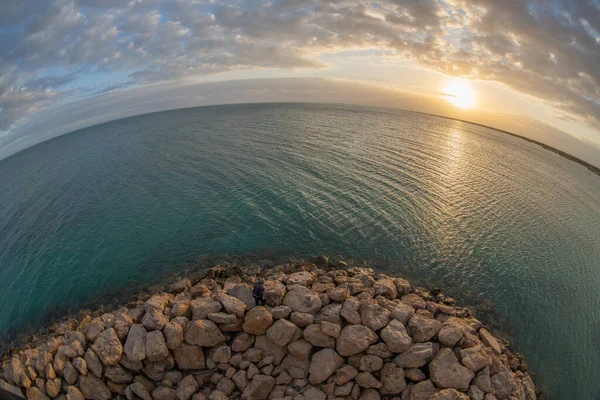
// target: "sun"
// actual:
[[460, 93]]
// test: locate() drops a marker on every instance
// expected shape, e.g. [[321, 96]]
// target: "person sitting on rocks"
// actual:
[[258, 292]]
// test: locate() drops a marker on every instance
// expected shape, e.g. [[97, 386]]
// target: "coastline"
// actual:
[[315, 294]]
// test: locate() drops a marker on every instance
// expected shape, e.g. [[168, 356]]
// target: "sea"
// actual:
[[482, 215]]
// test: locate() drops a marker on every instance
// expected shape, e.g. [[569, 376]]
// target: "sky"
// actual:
[[529, 67]]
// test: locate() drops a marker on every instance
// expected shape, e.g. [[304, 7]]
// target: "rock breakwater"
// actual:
[[324, 331]]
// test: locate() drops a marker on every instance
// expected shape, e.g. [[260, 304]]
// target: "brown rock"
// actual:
[[414, 374], [232, 305], [257, 321], [449, 334], [173, 335], [108, 347], [80, 365], [187, 387], [392, 379], [354, 339], [156, 347], [93, 363], [164, 393], [283, 332], [140, 390], [259, 388], [323, 364], [399, 310], [331, 329], [302, 299], [422, 328], [73, 393], [300, 349], [154, 320], [202, 306], [189, 357], [303, 278], [483, 380], [396, 337], [476, 358], [370, 394], [33, 393], [449, 394], [422, 391], [70, 374], [370, 363], [490, 341], [504, 384], [93, 388], [280, 312], [374, 316], [135, 345], [345, 374], [242, 342], [204, 333], [118, 374], [446, 371], [316, 337], [53, 387], [301, 319], [367, 380], [350, 311], [274, 292]]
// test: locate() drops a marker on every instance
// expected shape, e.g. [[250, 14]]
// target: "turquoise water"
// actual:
[[444, 202]]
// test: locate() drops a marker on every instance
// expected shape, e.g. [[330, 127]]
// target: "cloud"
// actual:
[[53, 48]]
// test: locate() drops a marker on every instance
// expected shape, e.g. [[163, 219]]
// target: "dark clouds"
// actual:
[[548, 49]]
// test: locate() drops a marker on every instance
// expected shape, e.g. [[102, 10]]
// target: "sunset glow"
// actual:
[[460, 94]]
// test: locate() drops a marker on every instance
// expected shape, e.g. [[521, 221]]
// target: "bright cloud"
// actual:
[[57, 50]]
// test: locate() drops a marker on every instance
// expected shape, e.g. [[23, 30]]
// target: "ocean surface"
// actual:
[[442, 202]]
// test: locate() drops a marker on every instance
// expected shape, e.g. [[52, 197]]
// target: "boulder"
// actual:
[[446, 372], [449, 334], [374, 316], [422, 328], [483, 380], [242, 292], [259, 388], [186, 387], [93, 388], [476, 358], [188, 356], [449, 394], [355, 339], [345, 374], [396, 337], [422, 391], [414, 374], [302, 299], [504, 384], [70, 373], [350, 311], [302, 319], [34, 393], [135, 345], [280, 312], [399, 310], [202, 306], [232, 305], [490, 341], [154, 320], [242, 342], [370, 363], [269, 348], [367, 380], [257, 321], [274, 293], [118, 374], [402, 286], [282, 332], [204, 333], [300, 349], [369, 394], [139, 389], [156, 346], [323, 364], [173, 335], [164, 393], [303, 278], [331, 329], [316, 337], [385, 287], [108, 347], [221, 354], [392, 379], [93, 363], [73, 393]]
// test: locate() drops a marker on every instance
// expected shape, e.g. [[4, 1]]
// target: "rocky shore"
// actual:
[[325, 331]]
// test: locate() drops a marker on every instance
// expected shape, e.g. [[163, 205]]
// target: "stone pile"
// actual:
[[327, 332]]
